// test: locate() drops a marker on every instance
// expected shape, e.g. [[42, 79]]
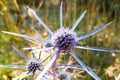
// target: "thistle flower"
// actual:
[[63, 40], [32, 65]]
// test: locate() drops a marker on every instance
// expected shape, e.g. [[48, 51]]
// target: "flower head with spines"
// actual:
[[64, 39], [33, 65]]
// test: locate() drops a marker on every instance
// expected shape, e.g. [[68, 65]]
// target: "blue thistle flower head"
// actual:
[[64, 39], [33, 66]]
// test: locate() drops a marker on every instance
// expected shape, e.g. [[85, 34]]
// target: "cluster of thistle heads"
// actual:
[[60, 41]]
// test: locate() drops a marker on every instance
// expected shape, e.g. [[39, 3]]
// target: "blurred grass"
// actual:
[[14, 17]]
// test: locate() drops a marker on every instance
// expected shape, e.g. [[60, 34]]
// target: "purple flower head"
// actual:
[[64, 39], [32, 65]]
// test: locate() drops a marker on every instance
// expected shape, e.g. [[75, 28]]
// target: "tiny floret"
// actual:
[[64, 39]]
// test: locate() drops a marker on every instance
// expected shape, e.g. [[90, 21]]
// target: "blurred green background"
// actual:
[[14, 18]]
